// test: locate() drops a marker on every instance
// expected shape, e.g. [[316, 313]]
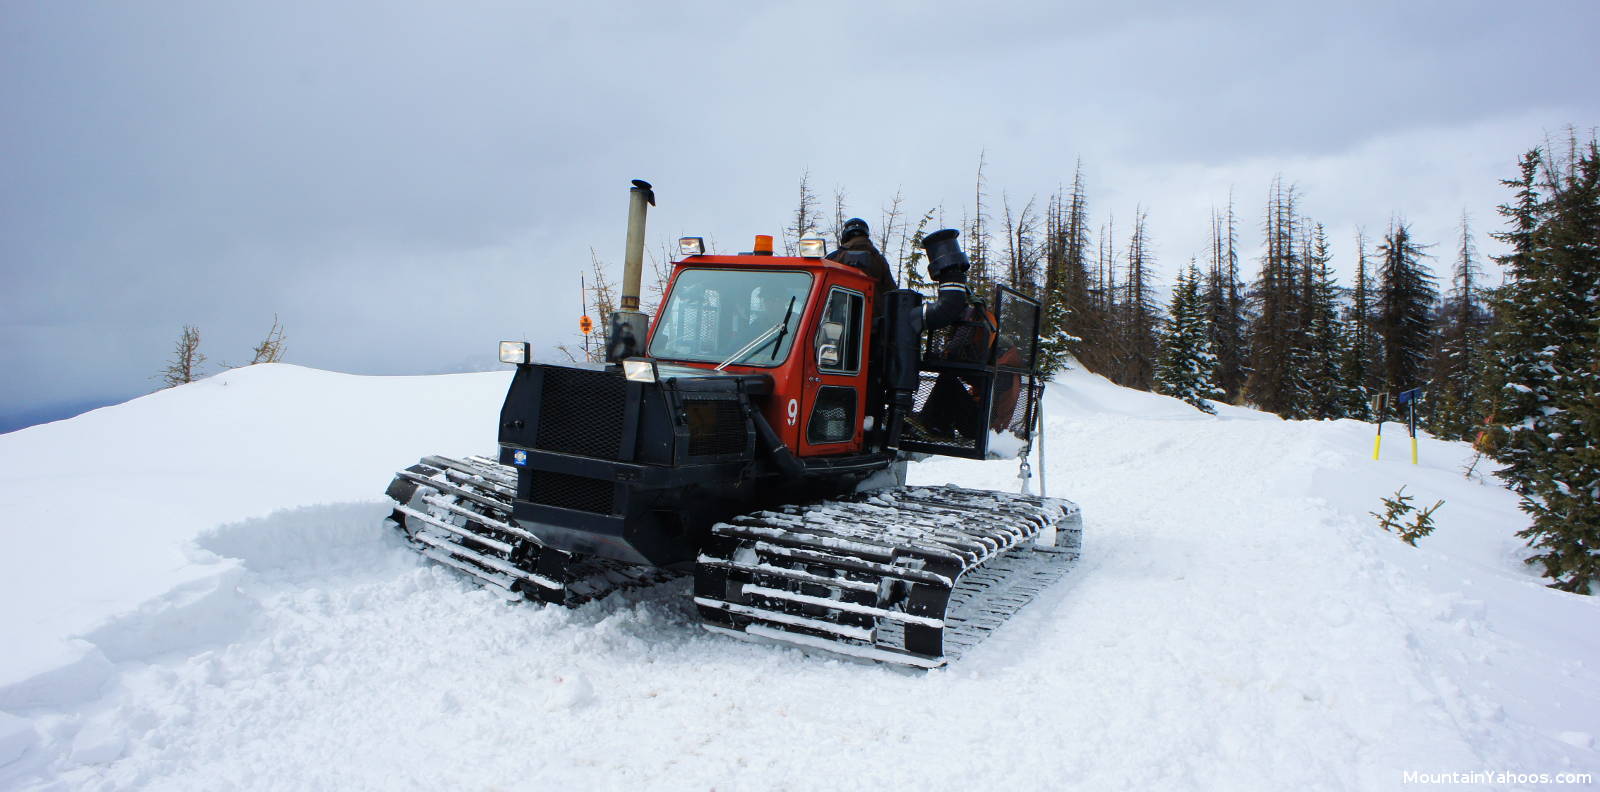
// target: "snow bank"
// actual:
[[200, 596]]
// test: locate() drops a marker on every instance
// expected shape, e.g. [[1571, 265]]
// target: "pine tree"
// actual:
[[1065, 294], [1549, 345], [1139, 311], [1516, 388], [1276, 356], [1362, 351], [1328, 340], [1186, 365], [1457, 359], [1406, 297], [913, 254], [1225, 304]]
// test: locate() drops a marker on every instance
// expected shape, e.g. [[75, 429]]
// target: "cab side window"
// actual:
[[838, 342]]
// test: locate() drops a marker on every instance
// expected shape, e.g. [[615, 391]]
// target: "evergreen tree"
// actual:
[[1546, 341], [1068, 313], [1406, 296], [1276, 357], [913, 255], [1225, 304], [1516, 387], [1362, 352], [1328, 340], [1456, 362], [1186, 365], [1139, 312]]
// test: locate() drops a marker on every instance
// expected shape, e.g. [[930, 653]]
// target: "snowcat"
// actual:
[[756, 435]]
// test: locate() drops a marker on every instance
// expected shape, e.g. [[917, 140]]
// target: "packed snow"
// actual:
[[200, 595]]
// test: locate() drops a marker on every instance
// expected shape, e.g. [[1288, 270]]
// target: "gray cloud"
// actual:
[[405, 184]]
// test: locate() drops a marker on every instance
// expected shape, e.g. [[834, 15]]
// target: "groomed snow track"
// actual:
[[458, 512], [908, 575]]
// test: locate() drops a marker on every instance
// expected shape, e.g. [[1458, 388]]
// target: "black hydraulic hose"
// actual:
[[780, 453]]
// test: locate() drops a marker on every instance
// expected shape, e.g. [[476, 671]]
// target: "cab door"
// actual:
[[834, 396]]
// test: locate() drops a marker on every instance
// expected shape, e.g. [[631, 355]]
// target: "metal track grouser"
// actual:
[[756, 434]]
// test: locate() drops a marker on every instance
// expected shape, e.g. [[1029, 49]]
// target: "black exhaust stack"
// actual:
[[629, 325]]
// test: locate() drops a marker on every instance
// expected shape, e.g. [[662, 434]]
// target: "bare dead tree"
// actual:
[[839, 214], [186, 359], [887, 224], [270, 350], [806, 216]]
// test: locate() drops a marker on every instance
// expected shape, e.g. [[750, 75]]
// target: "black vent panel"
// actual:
[[580, 412], [716, 426], [833, 417], [573, 492]]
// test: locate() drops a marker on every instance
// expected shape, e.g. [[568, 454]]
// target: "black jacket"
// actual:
[[860, 253]]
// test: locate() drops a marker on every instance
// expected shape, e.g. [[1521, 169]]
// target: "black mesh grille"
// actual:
[[966, 341], [580, 412], [1019, 328], [716, 426], [946, 414], [833, 417], [573, 492]]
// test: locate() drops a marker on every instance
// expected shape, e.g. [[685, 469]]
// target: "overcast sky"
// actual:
[[406, 184]]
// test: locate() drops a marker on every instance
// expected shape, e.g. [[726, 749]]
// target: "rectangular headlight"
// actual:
[[691, 246], [514, 352], [813, 248], [639, 370]]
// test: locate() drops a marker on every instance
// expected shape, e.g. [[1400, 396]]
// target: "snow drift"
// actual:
[[199, 595]]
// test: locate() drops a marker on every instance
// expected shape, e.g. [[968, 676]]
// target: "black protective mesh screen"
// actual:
[[573, 492], [1018, 319], [580, 412], [833, 416], [965, 341], [948, 420], [716, 426]]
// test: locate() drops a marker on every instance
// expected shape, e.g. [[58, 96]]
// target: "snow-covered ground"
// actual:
[[199, 595]]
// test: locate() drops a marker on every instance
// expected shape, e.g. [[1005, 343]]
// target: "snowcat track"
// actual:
[[913, 576], [457, 512]]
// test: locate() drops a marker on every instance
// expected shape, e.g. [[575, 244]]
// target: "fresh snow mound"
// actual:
[[200, 595]]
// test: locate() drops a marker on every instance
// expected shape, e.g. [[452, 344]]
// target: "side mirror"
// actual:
[[828, 356], [831, 333]]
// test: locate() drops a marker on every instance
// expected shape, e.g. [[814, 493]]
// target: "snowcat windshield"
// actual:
[[712, 314]]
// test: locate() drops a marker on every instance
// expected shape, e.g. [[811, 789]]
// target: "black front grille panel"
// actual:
[[581, 412], [573, 492], [716, 426]]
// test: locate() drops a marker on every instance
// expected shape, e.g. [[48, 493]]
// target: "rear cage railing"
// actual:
[[969, 380]]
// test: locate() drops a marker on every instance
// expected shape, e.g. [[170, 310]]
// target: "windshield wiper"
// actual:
[[778, 330]]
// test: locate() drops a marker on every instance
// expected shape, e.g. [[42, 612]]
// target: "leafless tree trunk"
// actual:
[[186, 359], [270, 350], [806, 216]]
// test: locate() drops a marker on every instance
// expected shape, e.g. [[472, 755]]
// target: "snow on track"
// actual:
[[1237, 622]]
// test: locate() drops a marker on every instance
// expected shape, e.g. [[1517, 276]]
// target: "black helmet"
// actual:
[[946, 261], [851, 229]]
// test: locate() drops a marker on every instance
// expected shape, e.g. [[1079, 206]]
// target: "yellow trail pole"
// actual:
[[1380, 403], [1413, 449]]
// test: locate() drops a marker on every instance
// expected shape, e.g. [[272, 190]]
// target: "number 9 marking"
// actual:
[[794, 411]]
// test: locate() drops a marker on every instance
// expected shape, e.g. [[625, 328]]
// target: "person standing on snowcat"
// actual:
[[953, 399], [954, 404], [856, 249]]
